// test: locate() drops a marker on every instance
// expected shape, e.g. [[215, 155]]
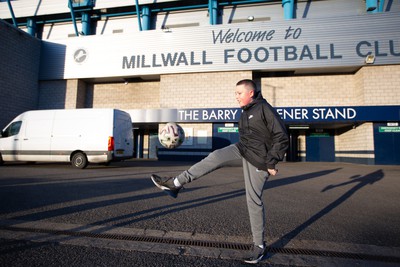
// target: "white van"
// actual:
[[78, 136]]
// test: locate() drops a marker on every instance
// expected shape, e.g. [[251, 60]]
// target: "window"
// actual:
[[13, 129]]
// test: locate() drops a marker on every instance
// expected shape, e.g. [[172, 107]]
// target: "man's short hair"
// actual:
[[249, 83]]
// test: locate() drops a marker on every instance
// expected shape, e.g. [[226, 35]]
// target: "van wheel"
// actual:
[[79, 160]]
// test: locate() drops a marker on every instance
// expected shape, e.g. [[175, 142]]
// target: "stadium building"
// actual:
[[331, 68]]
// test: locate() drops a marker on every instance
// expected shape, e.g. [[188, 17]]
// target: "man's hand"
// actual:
[[272, 172]]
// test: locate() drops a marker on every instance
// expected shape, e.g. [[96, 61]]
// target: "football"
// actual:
[[171, 135]]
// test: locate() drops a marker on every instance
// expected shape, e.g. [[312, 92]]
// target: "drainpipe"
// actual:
[[371, 6], [146, 18], [288, 8], [12, 13], [86, 23], [31, 25]]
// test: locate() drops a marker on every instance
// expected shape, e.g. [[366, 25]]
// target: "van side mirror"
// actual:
[[4, 133]]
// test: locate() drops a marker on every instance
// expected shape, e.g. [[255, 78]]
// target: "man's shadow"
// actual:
[[358, 181]]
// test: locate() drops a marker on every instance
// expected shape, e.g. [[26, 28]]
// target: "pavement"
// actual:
[[318, 214]]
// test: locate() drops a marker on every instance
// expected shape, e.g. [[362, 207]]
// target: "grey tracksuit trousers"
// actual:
[[254, 183]]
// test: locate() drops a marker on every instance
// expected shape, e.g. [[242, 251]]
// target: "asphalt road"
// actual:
[[313, 206]]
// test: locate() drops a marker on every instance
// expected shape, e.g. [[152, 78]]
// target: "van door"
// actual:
[[36, 139], [10, 141], [123, 135]]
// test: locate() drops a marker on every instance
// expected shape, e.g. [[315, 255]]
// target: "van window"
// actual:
[[13, 129]]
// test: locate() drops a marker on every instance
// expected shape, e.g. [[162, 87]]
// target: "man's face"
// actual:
[[243, 95]]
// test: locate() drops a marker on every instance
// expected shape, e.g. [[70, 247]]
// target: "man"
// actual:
[[263, 142]]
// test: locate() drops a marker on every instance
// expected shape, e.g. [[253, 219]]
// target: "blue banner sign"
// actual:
[[290, 115], [298, 114], [340, 114], [209, 115]]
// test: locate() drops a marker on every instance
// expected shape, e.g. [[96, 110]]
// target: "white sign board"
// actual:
[[283, 45]]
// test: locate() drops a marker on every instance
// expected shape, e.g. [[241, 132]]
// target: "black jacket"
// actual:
[[263, 138]]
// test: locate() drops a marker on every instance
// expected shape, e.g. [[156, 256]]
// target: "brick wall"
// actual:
[[380, 84], [52, 94], [81, 94], [138, 95], [200, 90], [301, 146], [376, 85], [62, 94], [356, 145], [19, 70], [197, 90], [371, 85], [303, 91]]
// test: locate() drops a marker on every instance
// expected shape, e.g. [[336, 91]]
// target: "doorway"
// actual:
[[320, 147], [387, 143]]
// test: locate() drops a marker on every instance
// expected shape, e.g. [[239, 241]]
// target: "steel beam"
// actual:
[[138, 15], [73, 17], [12, 13]]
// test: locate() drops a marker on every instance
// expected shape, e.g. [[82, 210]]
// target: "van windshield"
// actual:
[[13, 129]]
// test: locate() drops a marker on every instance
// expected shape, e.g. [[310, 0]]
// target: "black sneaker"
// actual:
[[256, 254], [166, 184]]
